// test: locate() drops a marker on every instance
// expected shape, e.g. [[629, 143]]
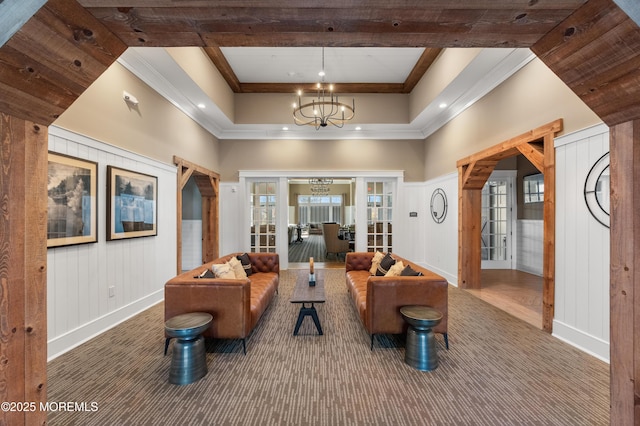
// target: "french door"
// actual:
[[497, 225]]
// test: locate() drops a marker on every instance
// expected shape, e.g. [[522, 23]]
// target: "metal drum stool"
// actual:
[[189, 358], [420, 351]]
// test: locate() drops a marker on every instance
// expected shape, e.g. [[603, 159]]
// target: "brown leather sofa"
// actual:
[[378, 299], [236, 304]]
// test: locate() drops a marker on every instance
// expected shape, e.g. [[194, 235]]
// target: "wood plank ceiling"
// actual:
[[46, 65], [53, 58]]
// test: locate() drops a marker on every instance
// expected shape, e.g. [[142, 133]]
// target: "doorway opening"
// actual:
[[207, 183], [321, 212], [473, 172]]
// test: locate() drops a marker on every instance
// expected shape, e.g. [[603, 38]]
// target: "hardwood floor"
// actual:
[[515, 292]]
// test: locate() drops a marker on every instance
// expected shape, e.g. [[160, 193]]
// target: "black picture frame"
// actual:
[[132, 204]]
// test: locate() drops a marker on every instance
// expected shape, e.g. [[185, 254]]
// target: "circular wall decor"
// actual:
[[596, 190], [438, 205]]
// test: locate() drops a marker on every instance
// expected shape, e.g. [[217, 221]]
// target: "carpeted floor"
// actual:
[[312, 246], [499, 371]]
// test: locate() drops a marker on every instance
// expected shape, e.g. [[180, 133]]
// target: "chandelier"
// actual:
[[324, 109], [320, 186]]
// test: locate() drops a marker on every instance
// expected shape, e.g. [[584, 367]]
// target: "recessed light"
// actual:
[[442, 105], [358, 128], [285, 128], [201, 106]]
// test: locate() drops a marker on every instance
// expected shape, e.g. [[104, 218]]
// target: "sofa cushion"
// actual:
[[395, 270], [408, 271], [385, 264], [246, 263], [237, 268], [375, 261], [223, 270]]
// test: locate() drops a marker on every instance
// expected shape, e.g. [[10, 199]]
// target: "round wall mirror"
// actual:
[[597, 190], [438, 205]]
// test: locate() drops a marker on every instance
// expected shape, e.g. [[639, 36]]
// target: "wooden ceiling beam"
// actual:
[[300, 23], [477, 173], [217, 57], [427, 59], [534, 153], [594, 52], [52, 59], [509, 148]]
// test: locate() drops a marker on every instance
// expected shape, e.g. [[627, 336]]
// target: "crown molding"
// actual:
[[490, 67]]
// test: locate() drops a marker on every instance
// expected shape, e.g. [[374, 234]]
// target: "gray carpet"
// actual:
[[499, 371], [312, 246]]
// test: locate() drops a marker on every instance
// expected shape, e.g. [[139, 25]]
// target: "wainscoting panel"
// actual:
[[441, 239], [529, 246], [80, 278], [191, 244], [582, 246]]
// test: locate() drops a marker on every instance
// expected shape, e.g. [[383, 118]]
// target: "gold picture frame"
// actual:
[[72, 205]]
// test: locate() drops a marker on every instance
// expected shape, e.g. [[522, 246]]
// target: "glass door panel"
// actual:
[[379, 215], [263, 216], [496, 224]]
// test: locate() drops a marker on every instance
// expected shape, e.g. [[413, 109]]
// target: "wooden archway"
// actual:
[[473, 171], [208, 183]]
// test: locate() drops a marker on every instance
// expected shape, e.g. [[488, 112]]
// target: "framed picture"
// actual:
[[132, 204], [72, 215]]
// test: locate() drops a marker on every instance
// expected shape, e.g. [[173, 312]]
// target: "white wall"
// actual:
[[231, 217], [79, 277], [191, 244], [529, 245], [422, 240], [582, 247]]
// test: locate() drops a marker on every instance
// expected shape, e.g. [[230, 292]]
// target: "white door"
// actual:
[[496, 241]]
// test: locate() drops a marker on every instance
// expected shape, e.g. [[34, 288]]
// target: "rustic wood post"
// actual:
[[625, 282], [23, 268]]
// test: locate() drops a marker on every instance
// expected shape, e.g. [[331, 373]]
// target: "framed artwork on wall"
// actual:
[[132, 204], [439, 205], [597, 190], [72, 197]]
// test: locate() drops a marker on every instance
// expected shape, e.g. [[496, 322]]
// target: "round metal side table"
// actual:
[[189, 358], [420, 351]]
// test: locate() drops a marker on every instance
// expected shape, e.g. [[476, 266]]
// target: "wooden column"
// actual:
[[549, 234], [469, 233], [23, 268], [625, 282]]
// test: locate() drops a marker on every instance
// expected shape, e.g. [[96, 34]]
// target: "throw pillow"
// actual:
[[223, 270], [375, 262], [395, 270], [410, 272], [385, 264], [206, 274], [246, 263], [237, 268]]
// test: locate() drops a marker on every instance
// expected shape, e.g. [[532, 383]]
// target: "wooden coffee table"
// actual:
[[308, 295]]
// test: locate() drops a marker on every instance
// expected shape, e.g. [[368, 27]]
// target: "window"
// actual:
[[533, 188], [320, 208]]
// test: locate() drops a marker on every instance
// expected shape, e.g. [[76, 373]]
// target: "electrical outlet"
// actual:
[[112, 291]]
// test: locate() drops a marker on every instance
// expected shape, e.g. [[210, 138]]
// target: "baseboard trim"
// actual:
[[590, 344], [452, 279], [64, 343]]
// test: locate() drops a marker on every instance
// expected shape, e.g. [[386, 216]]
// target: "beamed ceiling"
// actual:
[[591, 45]]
